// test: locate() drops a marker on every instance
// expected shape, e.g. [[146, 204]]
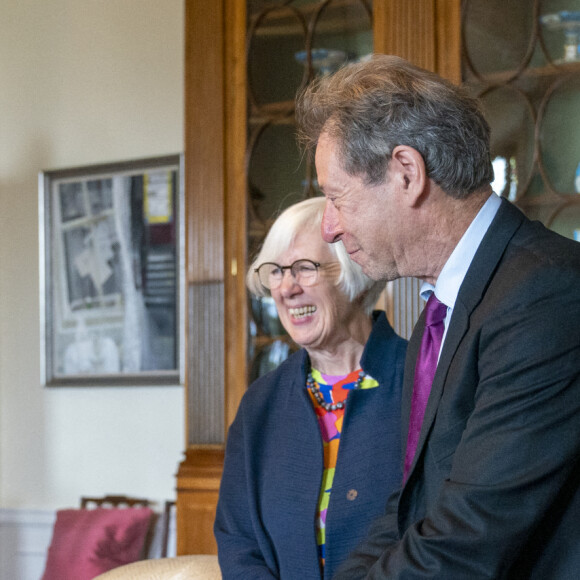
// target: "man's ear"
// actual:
[[408, 164]]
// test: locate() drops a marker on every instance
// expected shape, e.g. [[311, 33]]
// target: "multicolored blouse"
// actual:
[[334, 389]]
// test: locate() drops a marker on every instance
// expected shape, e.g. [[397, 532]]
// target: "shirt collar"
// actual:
[[455, 269]]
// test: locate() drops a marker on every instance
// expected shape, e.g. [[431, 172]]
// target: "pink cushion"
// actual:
[[88, 542]]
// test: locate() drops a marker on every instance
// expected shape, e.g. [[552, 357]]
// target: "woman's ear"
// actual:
[[409, 167]]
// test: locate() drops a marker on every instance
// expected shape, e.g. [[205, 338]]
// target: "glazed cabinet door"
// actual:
[[523, 60]]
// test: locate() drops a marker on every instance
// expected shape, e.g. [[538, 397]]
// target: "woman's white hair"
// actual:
[[307, 216]]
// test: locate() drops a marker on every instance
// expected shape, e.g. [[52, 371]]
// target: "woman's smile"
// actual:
[[302, 312]]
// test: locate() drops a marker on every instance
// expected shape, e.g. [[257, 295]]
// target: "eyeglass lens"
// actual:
[[305, 272]]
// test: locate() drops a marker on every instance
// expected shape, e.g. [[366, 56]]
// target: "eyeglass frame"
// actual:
[[317, 266]]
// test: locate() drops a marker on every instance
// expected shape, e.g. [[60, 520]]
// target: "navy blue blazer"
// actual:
[[493, 492], [265, 523]]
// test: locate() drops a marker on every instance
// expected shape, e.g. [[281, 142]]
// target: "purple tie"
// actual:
[[435, 313]]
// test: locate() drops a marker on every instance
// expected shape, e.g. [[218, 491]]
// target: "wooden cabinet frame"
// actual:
[[426, 32]]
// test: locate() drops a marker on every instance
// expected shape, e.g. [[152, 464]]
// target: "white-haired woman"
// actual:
[[291, 504]]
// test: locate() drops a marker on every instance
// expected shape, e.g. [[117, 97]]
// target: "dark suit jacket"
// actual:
[[265, 524], [493, 491]]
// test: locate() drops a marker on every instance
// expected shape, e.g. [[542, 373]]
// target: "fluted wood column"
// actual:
[[425, 32], [214, 162]]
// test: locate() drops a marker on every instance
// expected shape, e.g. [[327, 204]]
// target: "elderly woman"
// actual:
[[314, 451]]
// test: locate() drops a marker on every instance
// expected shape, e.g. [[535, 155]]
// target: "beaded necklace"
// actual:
[[315, 390]]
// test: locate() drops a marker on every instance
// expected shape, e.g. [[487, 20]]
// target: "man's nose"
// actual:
[[330, 224]]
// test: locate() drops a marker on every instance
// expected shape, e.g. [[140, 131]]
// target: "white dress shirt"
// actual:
[[455, 269]]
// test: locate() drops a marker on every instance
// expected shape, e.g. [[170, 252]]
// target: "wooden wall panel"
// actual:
[[199, 473], [448, 21], [197, 495], [236, 314], [204, 140], [425, 32], [205, 364], [406, 29]]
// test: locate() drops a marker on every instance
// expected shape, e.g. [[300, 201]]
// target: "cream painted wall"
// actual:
[[81, 82]]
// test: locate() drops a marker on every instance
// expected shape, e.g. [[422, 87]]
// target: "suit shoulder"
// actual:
[[543, 261], [547, 245]]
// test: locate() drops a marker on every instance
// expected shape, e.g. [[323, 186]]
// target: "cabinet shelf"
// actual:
[[262, 340], [553, 200], [532, 73], [281, 112]]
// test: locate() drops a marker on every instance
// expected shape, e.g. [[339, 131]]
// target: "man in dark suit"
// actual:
[[492, 457]]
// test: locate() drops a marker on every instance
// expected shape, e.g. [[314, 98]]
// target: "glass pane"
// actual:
[[269, 357], [510, 116], [560, 30], [567, 222], [342, 32], [497, 34], [273, 73], [265, 316], [560, 135], [276, 171]]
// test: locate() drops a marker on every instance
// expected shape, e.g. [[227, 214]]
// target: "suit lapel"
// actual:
[[408, 377], [488, 255]]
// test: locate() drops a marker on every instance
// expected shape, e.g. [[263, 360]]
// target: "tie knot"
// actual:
[[435, 311]]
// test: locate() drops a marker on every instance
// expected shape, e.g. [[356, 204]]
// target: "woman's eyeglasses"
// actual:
[[304, 272]]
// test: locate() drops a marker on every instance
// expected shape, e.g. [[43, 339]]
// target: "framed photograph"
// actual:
[[111, 272]]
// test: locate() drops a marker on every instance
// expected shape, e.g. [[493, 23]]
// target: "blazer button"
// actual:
[[351, 494]]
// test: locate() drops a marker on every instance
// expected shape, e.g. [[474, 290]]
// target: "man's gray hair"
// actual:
[[371, 107], [306, 216]]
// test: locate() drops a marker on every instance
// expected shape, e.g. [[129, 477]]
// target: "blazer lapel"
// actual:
[[492, 247], [408, 378]]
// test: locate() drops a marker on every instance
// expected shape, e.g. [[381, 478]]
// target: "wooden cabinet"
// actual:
[[223, 125]]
